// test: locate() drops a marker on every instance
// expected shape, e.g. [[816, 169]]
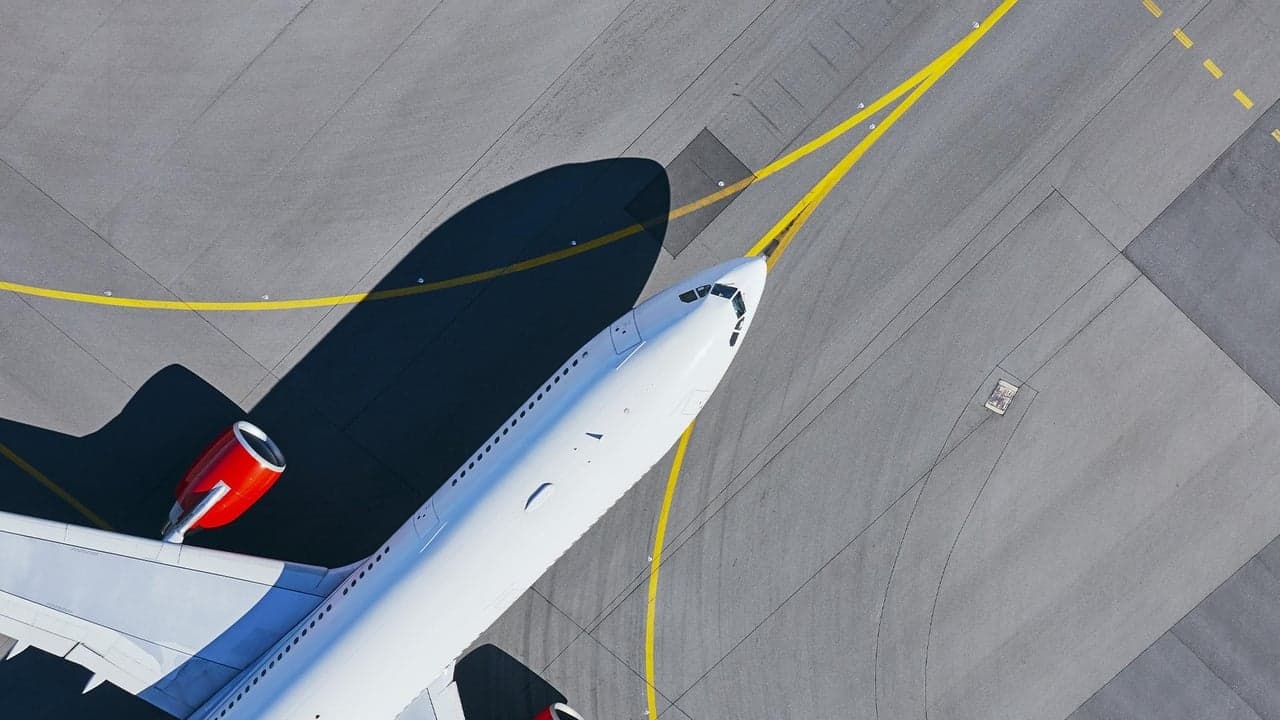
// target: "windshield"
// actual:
[[723, 291], [691, 295]]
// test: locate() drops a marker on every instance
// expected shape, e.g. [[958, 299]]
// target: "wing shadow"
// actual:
[[383, 407]]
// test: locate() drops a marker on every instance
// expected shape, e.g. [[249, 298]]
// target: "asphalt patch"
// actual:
[[702, 168], [1215, 252]]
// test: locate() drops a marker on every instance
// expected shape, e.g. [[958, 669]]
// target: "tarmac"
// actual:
[[1084, 205]]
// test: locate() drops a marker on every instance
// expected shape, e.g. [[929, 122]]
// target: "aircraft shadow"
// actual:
[[374, 418], [495, 686]]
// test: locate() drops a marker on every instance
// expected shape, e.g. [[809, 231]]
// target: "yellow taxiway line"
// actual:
[[774, 242], [925, 76], [655, 563], [53, 487]]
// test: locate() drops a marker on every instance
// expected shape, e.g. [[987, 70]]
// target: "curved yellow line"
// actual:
[[53, 487], [655, 563], [776, 240], [925, 76]]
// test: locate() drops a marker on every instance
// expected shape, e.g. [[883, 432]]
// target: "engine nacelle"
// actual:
[[227, 479], [559, 711]]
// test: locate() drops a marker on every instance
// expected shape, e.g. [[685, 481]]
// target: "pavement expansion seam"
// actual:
[[284, 164], [897, 553], [1170, 631], [1174, 632], [942, 576], [55, 71]]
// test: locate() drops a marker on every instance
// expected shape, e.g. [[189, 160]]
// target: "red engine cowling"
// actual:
[[559, 711], [243, 459]]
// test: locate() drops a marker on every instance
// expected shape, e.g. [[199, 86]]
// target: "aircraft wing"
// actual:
[[169, 623]]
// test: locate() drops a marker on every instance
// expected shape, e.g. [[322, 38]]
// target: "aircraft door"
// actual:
[[426, 523], [624, 333]]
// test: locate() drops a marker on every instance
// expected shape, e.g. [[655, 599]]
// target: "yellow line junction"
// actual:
[[772, 244], [775, 242]]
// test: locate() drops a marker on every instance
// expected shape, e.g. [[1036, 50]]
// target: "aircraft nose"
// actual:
[[748, 276], [740, 276]]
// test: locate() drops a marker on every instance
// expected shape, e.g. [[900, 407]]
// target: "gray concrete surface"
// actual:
[[853, 535], [1219, 660], [1216, 252]]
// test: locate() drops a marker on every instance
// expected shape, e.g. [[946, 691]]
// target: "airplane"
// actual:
[[212, 635]]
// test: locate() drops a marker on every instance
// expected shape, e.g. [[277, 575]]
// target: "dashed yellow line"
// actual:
[[1276, 134], [1209, 64], [53, 487], [655, 564], [1152, 8]]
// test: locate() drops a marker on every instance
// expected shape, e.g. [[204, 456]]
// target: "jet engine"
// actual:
[[227, 479], [559, 711]]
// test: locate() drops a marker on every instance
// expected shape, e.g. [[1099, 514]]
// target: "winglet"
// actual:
[[17, 647], [94, 681]]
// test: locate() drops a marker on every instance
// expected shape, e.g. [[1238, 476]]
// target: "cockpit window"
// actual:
[[728, 292], [699, 292]]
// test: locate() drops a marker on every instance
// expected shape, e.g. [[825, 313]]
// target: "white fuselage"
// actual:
[[542, 479]]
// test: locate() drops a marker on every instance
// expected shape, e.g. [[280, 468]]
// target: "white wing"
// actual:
[[169, 623]]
